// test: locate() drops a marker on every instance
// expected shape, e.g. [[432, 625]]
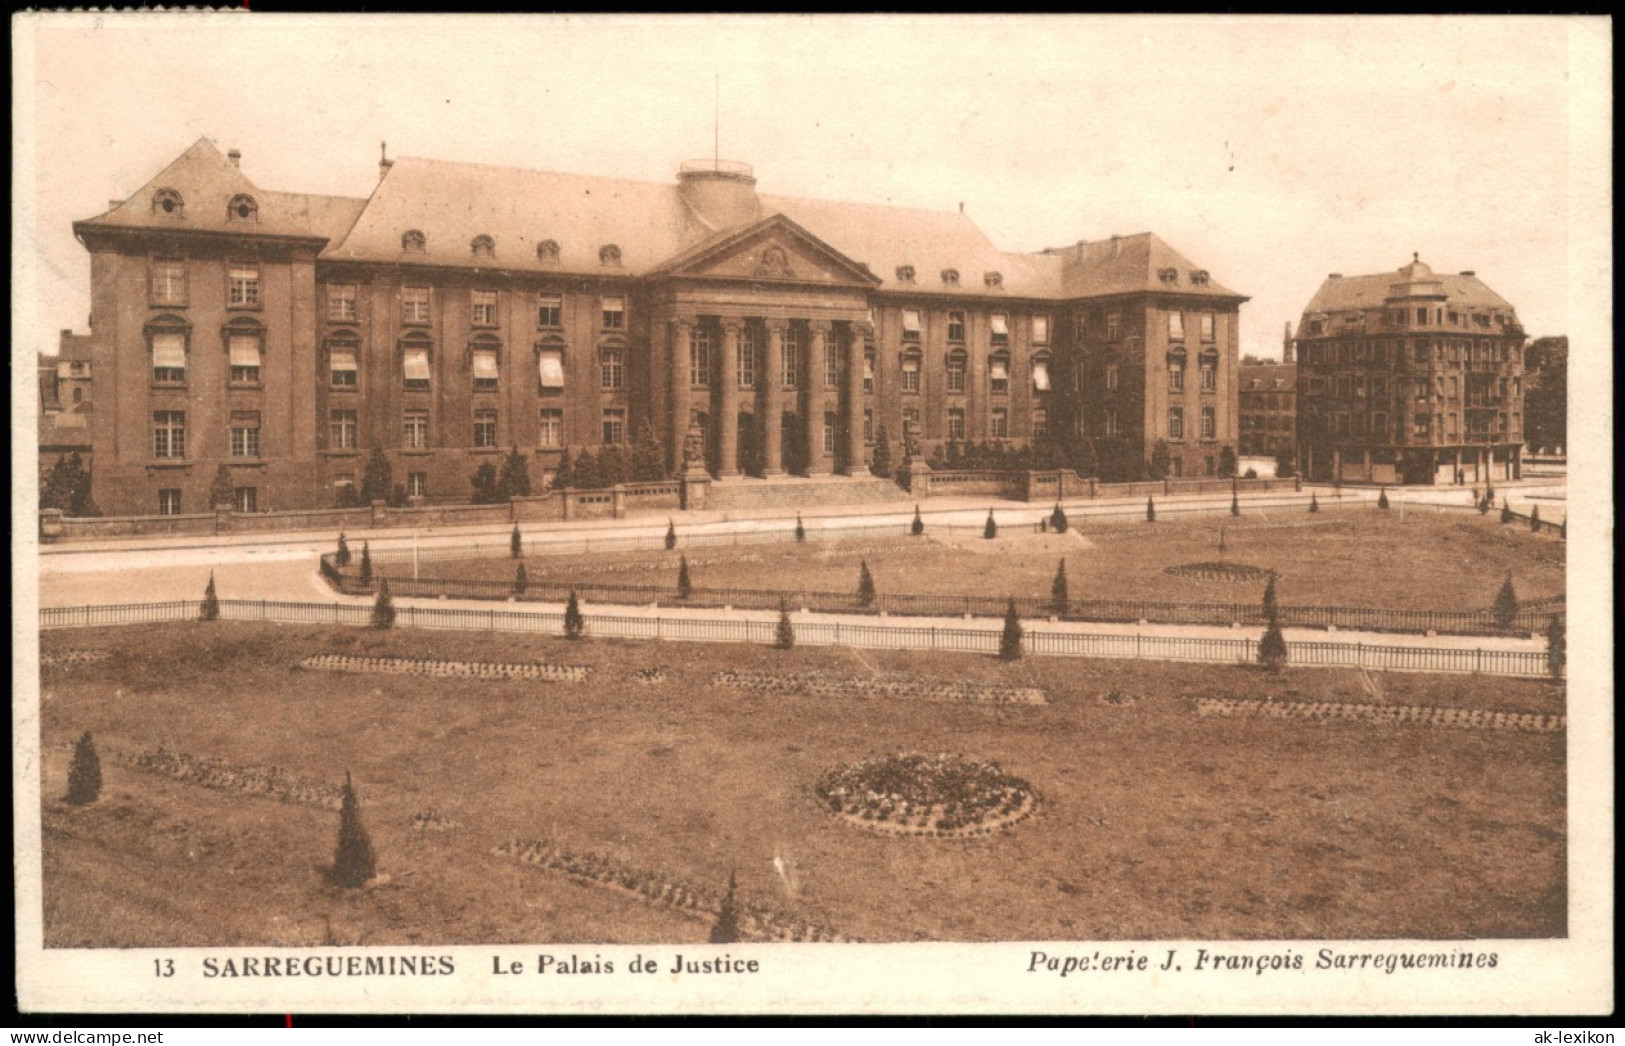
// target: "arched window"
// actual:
[[242, 209], [416, 350], [169, 202], [548, 251], [993, 279], [609, 254], [484, 353], [414, 242], [950, 277], [482, 246]]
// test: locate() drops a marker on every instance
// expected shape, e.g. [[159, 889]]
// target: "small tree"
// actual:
[[1484, 506], [1150, 510], [1227, 461], [1285, 466], [66, 486], [1556, 647], [1534, 518], [1059, 601], [211, 602], [1506, 511], [575, 626], [1235, 503], [378, 477], [866, 585], [1270, 606], [1506, 605], [515, 479], [484, 482], [1382, 498], [801, 531], [917, 527], [84, 773], [1272, 653], [366, 564], [1314, 502], [521, 579], [342, 556], [564, 476], [383, 608], [784, 637], [220, 491], [726, 929], [516, 544], [881, 466], [671, 535], [685, 587], [1010, 638], [1161, 460], [991, 529], [353, 863], [1058, 520]]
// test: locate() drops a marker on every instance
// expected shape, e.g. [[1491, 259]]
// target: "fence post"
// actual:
[[1478, 660], [262, 610], [933, 637], [1359, 655]]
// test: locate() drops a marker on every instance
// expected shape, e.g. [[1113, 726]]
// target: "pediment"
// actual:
[[775, 250]]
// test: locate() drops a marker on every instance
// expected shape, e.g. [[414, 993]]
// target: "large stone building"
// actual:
[[65, 401], [1268, 405], [462, 309], [1409, 377]]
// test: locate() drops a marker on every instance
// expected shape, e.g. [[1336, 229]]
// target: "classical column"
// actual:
[[682, 330], [812, 397], [727, 372], [771, 377], [852, 408]]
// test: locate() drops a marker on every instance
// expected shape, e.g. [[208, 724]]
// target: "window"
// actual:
[[950, 277], [414, 242], [168, 356], [1040, 330], [1210, 377], [342, 430], [1316, 326], [169, 434], [1041, 374], [911, 419], [1000, 428], [993, 279], [1176, 376], [868, 426], [869, 371], [168, 201], [1206, 322], [699, 356], [1210, 423], [1114, 326], [615, 425], [484, 364], [998, 373], [548, 251], [242, 209], [745, 357], [999, 325], [550, 431], [1111, 377], [1176, 422], [609, 254], [482, 246], [790, 358], [169, 502], [832, 362], [614, 313], [911, 324], [955, 371], [550, 366], [1176, 326], [956, 326], [414, 305], [245, 434], [956, 423], [341, 365], [549, 310], [1111, 424], [244, 350], [245, 499], [415, 365], [417, 430], [1419, 425], [911, 372], [341, 302], [830, 422], [485, 428], [1040, 423], [1424, 351], [417, 484], [243, 285], [1421, 315], [905, 274], [1453, 430], [483, 309], [611, 368], [168, 281]]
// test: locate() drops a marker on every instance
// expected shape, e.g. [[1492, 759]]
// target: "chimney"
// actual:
[[1334, 276], [1286, 343], [1468, 272], [961, 206], [384, 162], [235, 157]]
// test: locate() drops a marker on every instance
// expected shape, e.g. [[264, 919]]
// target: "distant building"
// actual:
[[1409, 377], [1268, 404], [65, 400]]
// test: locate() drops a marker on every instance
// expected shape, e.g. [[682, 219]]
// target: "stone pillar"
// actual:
[[812, 398], [852, 408], [678, 407], [1365, 459], [772, 410], [1517, 461], [727, 372], [1337, 466]]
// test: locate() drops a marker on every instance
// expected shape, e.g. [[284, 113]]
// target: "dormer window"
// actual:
[[168, 201], [483, 246], [243, 209], [609, 254], [950, 277], [1168, 275], [905, 274], [548, 252], [993, 279], [1199, 276], [414, 242]]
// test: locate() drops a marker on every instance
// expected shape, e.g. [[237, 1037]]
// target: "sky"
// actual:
[[1270, 151]]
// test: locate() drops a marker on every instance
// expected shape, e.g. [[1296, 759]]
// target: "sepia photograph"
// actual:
[[812, 514]]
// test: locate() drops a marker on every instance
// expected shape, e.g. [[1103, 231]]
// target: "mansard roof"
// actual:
[[1348, 293], [1137, 264]]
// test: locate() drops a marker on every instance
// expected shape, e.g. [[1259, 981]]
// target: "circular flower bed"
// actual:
[[1219, 572], [939, 796]]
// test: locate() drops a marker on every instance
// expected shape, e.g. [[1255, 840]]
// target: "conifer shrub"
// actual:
[[521, 580], [366, 564], [1270, 606], [211, 602], [991, 529], [1506, 511], [353, 862], [1150, 510], [1505, 609], [1235, 504], [1314, 502], [784, 637], [671, 535], [84, 773], [1556, 647], [685, 586], [1059, 599], [1010, 638], [383, 608], [801, 531], [917, 527], [341, 558], [866, 585], [1382, 498], [575, 626], [1534, 518], [1058, 520], [726, 929], [516, 544], [1272, 653]]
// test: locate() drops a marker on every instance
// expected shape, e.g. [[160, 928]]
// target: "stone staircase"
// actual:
[[747, 493]]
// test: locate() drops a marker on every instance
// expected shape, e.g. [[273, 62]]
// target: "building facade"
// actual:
[[461, 310], [65, 401], [1269, 409], [1409, 377]]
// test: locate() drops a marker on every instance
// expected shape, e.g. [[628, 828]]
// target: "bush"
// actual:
[[726, 929], [801, 531], [1010, 639], [1556, 648], [342, 556], [564, 477], [1534, 518], [671, 535], [1150, 510], [784, 637], [1314, 502], [211, 602], [1285, 467], [1250, 474], [1227, 462], [991, 529], [1382, 498], [685, 586], [85, 773], [521, 580], [1270, 606], [484, 482], [1506, 605], [66, 486], [1506, 511], [383, 609], [866, 585], [515, 479], [353, 863], [918, 526], [1059, 600], [881, 466], [1272, 653], [377, 479], [1057, 519], [516, 545], [366, 564], [575, 626]]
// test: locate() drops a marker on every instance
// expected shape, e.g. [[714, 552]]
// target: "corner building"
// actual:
[[463, 309]]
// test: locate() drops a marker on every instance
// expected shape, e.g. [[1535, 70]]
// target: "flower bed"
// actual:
[[447, 669], [272, 782], [1118, 698], [936, 796], [1218, 572], [1321, 711], [69, 658], [757, 922], [880, 686], [650, 676]]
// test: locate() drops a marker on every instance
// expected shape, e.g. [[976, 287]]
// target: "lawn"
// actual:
[[1154, 823], [1421, 561]]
